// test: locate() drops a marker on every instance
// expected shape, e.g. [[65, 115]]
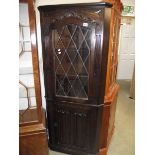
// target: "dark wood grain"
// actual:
[[81, 126], [75, 115]]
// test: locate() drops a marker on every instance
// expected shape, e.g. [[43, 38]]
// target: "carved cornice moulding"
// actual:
[[49, 20]]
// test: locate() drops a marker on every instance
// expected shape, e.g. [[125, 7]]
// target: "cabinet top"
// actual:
[[47, 7]]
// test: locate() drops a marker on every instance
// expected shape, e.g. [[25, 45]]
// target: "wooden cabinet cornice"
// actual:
[[79, 47]]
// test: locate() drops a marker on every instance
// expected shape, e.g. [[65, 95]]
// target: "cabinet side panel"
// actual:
[[113, 49], [33, 144], [108, 118], [105, 51]]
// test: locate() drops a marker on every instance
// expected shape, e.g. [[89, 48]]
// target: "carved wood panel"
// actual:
[[75, 127], [60, 14]]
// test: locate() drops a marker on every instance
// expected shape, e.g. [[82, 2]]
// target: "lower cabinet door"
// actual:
[[75, 128]]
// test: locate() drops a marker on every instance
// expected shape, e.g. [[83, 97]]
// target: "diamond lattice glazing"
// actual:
[[72, 52]]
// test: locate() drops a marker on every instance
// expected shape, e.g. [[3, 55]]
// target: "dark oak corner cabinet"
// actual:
[[80, 43]]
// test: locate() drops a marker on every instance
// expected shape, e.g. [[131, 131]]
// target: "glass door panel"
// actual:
[[71, 46], [27, 96]]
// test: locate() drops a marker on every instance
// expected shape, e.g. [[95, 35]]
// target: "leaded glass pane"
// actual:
[[72, 51]]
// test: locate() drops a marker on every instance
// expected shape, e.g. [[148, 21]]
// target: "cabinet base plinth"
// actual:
[[69, 151]]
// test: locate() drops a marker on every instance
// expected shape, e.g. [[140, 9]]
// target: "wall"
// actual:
[[126, 57], [126, 51], [128, 2]]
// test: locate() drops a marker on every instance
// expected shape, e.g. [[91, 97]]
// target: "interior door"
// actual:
[[126, 51]]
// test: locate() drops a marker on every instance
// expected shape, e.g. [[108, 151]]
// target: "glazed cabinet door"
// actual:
[[72, 39]]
